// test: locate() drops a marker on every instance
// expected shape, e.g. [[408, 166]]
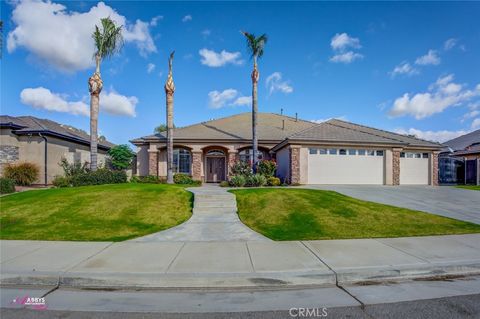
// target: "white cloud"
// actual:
[[214, 59], [476, 124], [43, 99], [431, 58], [436, 136], [274, 83], [404, 68], [341, 41], [450, 44], [206, 33], [110, 102], [346, 57], [187, 18], [441, 95], [155, 20], [343, 118], [150, 68], [117, 104], [63, 38], [243, 101]]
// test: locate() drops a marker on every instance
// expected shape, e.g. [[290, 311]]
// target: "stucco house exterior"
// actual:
[[332, 152], [45, 143]]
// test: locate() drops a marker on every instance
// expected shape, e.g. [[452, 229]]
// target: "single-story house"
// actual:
[[460, 160], [44, 143], [332, 152]]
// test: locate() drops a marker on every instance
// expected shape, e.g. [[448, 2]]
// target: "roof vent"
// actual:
[[281, 111], [283, 124], [296, 117]]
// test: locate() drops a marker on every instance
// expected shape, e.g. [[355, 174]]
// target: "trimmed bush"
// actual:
[[181, 178], [62, 181], [256, 180], [150, 179], [121, 156], [241, 168], [7, 186], [99, 177], [23, 174], [224, 184], [73, 169], [273, 181], [238, 181], [267, 168]]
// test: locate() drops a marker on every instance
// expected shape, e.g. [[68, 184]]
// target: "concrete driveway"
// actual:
[[446, 201]]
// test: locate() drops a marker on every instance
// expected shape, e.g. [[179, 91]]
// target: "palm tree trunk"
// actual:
[[255, 76], [95, 85], [170, 138]]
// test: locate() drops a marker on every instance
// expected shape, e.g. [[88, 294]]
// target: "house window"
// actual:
[[322, 151], [409, 155], [342, 152], [402, 154], [352, 152], [246, 155], [181, 161], [216, 153], [361, 152], [425, 155], [418, 155], [312, 151], [380, 153], [332, 151], [371, 153]]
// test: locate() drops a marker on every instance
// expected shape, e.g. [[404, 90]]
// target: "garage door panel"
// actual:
[[345, 169], [414, 171]]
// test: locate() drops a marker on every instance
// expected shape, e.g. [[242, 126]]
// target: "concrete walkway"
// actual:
[[214, 219], [236, 264], [462, 204]]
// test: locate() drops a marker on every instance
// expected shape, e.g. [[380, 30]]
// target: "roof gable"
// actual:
[[464, 141]]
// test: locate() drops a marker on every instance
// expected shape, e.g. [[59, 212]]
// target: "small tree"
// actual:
[[121, 156]]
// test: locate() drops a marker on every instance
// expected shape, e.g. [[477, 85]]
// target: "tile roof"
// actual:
[[33, 124], [464, 141]]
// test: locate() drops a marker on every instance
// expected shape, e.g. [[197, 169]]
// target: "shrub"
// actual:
[[7, 185], [23, 174], [99, 177], [224, 184], [273, 181], [256, 180], [238, 181], [73, 169], [267, 168], [241, 168], [181, 178], [150, 179], [121, 156], [62, 181]]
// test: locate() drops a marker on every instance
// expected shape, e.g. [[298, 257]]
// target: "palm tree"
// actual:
[[108, 41], [255, 46], [169, 90]]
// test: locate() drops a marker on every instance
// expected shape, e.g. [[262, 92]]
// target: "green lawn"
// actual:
[[470, 187], [302, 214], [94, 213]]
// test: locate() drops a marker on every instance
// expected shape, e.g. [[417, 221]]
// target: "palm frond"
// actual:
[[255, 45], [109, 40]]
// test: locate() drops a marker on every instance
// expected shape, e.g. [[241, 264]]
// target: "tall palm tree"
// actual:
[[169, 91], [255, 46], [108, 41]]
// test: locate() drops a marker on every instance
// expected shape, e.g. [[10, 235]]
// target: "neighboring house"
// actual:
[[332, 152], [45, 143], [460, 160]]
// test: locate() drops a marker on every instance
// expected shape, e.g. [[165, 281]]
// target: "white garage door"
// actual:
[[414, 168], [345, 166]]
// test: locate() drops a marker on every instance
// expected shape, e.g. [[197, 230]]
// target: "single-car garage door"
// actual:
[[414, 168], [345, 166]]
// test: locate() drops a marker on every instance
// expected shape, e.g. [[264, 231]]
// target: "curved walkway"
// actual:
[[214, 219]]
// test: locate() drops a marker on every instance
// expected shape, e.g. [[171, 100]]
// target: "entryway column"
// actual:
[[434, 169], [153, 162], [396, 166], [197, 165], [232, 158], [294, 164]]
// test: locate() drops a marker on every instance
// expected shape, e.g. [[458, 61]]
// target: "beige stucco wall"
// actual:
[[142, 160], [32, 149]]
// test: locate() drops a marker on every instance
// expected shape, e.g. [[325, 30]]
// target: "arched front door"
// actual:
[[215, 166]]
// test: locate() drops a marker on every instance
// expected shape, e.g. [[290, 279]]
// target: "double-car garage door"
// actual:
[[363, 166], [346, 166]]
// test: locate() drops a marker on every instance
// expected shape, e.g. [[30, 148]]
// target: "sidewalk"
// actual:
[[251, 264]]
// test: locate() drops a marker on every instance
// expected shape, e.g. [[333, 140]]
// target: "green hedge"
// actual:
[[98, 177], [7, 186]]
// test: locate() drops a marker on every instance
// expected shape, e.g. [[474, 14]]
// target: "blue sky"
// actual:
[[406, 67]]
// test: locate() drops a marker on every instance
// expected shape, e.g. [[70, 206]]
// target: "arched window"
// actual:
[[246, 155], [182, 160], [216, 153]]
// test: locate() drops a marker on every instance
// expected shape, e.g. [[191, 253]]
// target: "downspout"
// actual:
[[45, 157]]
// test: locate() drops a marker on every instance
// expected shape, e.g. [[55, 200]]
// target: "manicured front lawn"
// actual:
[[302, 214], [470, 187], [94, 213]]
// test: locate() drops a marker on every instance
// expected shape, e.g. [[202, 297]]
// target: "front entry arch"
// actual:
[[215, 168]]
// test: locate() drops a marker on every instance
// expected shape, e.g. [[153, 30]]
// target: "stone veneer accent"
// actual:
[[197, 165], [8, 153], [434, 168], [153, 162], [232, 158], [396, 166], [294, 164]]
